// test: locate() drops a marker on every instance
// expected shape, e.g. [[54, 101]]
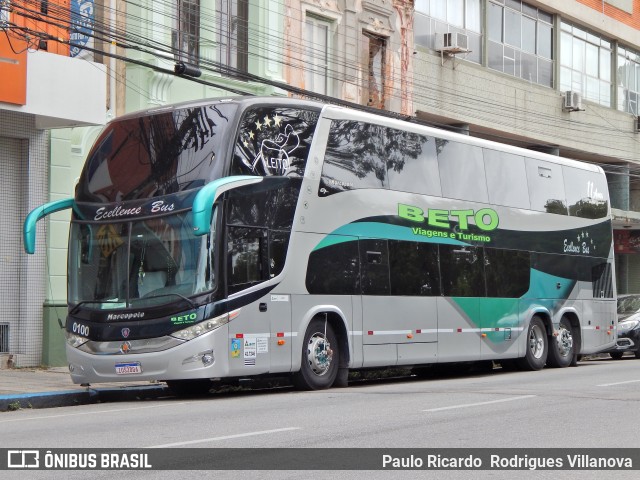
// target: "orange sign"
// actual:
[[13, 70]]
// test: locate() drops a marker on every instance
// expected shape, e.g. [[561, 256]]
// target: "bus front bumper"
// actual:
[[202, 357]]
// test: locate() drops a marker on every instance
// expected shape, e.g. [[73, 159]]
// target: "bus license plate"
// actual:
[[128, 368]]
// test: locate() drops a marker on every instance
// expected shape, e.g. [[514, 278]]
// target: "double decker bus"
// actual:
[[252, 236]]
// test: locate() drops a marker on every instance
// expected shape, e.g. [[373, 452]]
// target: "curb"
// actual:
[[88, 396]]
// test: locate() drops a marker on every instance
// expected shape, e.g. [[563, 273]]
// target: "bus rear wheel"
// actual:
[[536, 348], [320, 357], [562, 346]]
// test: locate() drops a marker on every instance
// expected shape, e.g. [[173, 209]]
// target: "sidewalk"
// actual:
[[22, 388]]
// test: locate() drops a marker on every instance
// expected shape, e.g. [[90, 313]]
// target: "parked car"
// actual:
[[628, 326]]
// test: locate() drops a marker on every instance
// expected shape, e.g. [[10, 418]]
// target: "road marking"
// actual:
[[617, 383], [466, 405], [92, 412], [226, 437]]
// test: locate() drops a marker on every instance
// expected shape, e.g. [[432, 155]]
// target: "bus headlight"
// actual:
[[74, 340], [206, 326]]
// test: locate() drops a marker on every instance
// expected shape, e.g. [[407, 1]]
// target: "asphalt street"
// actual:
[[592, 406]]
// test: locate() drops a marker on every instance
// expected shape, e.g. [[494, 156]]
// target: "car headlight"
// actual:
[[74, 340], [206, 326], [628, 325]]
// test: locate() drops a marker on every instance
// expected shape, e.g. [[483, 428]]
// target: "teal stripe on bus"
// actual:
[[380, 230], [500, 312]]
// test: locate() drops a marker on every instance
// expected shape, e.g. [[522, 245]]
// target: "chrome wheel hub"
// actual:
[[319, 354]]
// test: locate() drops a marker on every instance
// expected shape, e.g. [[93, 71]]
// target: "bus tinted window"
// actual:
[[374, 264], [357, 156], [335, 269], [546, 187], [278, 244], [415, 169], [461, 171], [507, 273], [414, 268], [246, 253], [270, 207], [462, 271], [154, 155], [274, 141], [586, 193], [506, 179], [602, 278]]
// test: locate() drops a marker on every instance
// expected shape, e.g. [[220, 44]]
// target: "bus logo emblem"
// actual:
[[125, 332]]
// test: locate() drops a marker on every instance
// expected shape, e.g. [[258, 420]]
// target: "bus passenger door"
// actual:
[[399, 288], [263, 330], [463, 288], [458, 332], [279, 311], [500, 322], [597, 327], [379, 314], [508, 279]]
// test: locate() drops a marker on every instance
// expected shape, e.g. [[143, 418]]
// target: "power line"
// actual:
[[137, 40]]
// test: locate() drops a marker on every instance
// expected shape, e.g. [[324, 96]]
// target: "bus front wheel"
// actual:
[[562, 346], [320, 357], [536, 347]]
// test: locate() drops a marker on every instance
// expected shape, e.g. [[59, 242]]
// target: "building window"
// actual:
[[234, 34], [520, 41], [4, 15], [628, 80], [316, 47], [585, 64], [376, 48], [186, 32], [433, 17]]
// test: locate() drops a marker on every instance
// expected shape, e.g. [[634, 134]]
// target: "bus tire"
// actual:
[[320, 357], [536, 350], [562, 346]]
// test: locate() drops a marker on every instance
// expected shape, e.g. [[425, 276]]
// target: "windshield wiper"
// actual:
[[75, 309], [77, 306], [191, 303]]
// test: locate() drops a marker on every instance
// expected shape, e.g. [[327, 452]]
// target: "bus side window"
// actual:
[[374, 263], [245, 257], [601, 276], [356, 157], [414, 268], [278, 244], [462, 172], [586, 193], [546, 187], [507, 272], [462, 271], [334, 269]]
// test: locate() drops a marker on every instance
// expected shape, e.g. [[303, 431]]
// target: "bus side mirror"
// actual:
[[207, 196], [29, 227]]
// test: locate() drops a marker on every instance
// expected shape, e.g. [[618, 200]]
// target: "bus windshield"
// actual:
[[140, 263], [156, 155]]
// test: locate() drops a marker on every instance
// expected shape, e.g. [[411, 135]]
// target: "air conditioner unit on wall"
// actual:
[[452, 42], [572, 101]]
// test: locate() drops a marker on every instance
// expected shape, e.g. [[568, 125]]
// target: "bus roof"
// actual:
[[341, 113], [337, 112]]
